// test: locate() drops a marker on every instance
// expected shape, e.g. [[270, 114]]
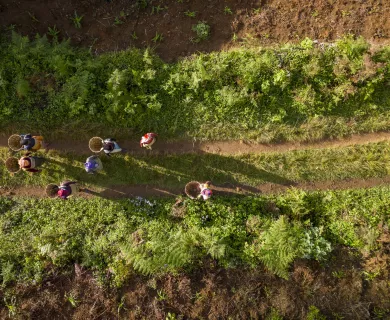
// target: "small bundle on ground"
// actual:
[[193, 189], [14, 142], [51, 190], [95, 144], [12, 164]]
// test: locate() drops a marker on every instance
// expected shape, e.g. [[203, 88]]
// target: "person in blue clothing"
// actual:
[[93, 164], [32, 143]]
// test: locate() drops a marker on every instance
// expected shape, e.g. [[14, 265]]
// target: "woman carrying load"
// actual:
[[32, 143], [110, 146], [67, 189], [205, 191], [93, 164], [29, 164], [148, 140]]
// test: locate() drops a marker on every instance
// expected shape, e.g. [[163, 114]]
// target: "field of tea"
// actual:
[[290, 121]]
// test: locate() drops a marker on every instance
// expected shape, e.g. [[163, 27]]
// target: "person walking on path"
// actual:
[[93, 164], [110, 146], [68, 188], [30, 164], [32, 143], [148, 140], [205, 191]]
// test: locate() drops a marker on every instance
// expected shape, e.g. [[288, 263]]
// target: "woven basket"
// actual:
[[12, 164], [14, 142], [192, 189], [95, 144], [51, 190]]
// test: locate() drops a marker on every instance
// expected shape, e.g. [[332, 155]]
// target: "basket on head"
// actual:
[[51, 190], [192, 189], [12, 164], [95, 144], [14, 142]]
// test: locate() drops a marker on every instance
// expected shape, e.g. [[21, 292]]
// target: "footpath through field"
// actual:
[[221, 147], [145, 191], [148, 189]]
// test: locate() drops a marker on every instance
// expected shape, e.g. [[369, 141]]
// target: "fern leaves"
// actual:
[[174, 250]]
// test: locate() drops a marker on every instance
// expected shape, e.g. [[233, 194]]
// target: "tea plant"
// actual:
[[33, 17], [190, 14], [158, 9], [77, 20], [202, 30], [158, 37], [227, 10], [53, 32]]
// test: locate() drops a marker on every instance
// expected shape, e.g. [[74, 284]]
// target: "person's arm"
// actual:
[[27, 154]]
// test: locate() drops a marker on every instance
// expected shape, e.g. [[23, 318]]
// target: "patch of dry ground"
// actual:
[[111, 25]]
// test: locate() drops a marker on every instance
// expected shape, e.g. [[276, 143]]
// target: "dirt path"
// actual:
[[220, 147], [130, 191]]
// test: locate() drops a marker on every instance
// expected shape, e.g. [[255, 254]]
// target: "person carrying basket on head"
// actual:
[[93, 164], [32, 143], [205, 191], [110, 146], [148, 140], [29, 163], [67, 189]]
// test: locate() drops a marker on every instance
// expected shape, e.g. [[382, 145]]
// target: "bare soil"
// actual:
[[117, 24], [339, 289]]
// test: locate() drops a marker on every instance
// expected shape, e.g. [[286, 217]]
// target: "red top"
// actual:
[[147, 138]]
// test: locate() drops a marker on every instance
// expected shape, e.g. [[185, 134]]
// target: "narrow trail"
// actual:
[[220, 147], [131, 191]]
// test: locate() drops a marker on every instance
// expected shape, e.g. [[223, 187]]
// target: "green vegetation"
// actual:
[[361, 162], [295, 92], [190, 14], [77, 20], [40, 236], [227, 10], [202, 30]]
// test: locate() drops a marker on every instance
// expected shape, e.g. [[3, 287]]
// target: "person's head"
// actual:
[[206, 193], [108, 146], [207, 184], [63, 194], [24, 142], [24, 163], [90, 167]]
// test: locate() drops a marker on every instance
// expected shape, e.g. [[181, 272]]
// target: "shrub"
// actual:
[[202, 30]]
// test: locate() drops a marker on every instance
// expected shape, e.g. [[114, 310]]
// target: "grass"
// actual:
[[175, 171]]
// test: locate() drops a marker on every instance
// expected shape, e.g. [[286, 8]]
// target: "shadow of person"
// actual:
[[159, 175], [123, 192]]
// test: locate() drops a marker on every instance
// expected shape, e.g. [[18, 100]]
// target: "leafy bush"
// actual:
[[202, 30], [272, 94], [117, 238]]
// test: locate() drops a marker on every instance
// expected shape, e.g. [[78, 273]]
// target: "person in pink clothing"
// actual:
[[148, 140]]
